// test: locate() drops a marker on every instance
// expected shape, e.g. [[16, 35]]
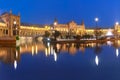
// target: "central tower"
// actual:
[[12, 22]]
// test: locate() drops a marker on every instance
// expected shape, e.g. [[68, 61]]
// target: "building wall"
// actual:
[[72, 28], [12, 23]]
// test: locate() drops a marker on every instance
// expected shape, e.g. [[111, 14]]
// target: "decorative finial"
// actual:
[[10, 11], [82, 23], [19, 14]]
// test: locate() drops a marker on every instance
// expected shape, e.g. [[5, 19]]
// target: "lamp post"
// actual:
[[96, 20], [117, 23], [15, 27], [96, 30], [116, 31], [55, 23]]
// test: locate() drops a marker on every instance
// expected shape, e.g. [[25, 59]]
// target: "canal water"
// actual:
[[65, 61]]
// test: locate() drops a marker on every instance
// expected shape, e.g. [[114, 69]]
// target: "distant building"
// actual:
[[71, 28]]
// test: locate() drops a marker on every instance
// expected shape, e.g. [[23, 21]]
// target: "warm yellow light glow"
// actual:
[[16, 54], [109, 43], [46, 51], [58, 46], [26, 46], [52, 51], [55, 23], [20, 49], [15, 22], [32, 50], [36, 49], [49, 50]]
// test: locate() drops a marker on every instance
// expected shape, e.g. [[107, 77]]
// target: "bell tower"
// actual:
[[13, 23], [55, 23]]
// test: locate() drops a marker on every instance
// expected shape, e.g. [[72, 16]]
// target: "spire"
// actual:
[[19, 14], [10, 11], [82, 23], [55, 20]]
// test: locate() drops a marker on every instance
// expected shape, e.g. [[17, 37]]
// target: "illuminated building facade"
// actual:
[[10, 26]]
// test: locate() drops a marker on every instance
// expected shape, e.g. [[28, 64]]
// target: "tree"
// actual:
[[97, 32], [56, 34], [47, 34]]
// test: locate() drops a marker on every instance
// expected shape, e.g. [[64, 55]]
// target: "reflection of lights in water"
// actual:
[[46, 51], [97, 60], [117, 52], [36, 49], [82, 49], [109, 43], [26, 46], [118, 42], [15, 64], [72, 50], [52, 50], [20, 49], [109, 33], [32, 50], [16, 54], [49, 50], [55, 56], [92, 45], [48, 44], [58, 46]]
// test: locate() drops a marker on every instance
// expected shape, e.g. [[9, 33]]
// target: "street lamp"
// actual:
[[15, 22], [116, 28], [96, 20], [96, 30], [117, 23], [15, 28], [55, 23]]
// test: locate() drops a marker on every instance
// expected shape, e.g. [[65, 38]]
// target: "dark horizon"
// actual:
[[45, 11]]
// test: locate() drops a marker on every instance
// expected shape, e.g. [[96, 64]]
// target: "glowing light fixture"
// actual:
[[96, 19]]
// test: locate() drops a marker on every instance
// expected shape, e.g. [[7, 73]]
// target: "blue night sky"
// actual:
[[44, 11]]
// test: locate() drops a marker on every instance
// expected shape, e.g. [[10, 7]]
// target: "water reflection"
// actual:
[[12, 55], [97, 60], [117, 52]]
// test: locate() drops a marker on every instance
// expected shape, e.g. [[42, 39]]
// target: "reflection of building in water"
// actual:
[[10, 55], [33, 48], [73, 49], [82, 49]]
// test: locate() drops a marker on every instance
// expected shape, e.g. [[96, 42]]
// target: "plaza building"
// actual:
[[10, 26], [71, 28]]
